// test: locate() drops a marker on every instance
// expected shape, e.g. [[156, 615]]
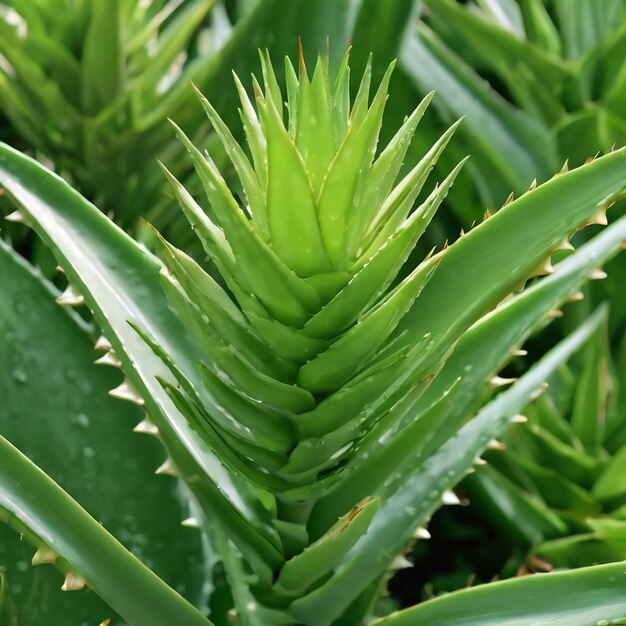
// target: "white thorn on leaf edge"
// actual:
[[146, 427], [126, 391], [44, 555], [519, 419], [535, 394], [70, 297], [494, 444], [73, 582], [190, 522], [498, 381], [421, 533], [450, 498], [597, 274], [400, 562], [167, 467], [103, 343], [479, 461], [109, 358], [17, 218]]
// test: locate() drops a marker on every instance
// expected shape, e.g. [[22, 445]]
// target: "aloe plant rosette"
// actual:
[[314, 401]]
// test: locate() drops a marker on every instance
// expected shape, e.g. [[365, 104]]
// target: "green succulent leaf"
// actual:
[[592, 595], [82, 438], [64, 219], [90, 552], [413, 497]]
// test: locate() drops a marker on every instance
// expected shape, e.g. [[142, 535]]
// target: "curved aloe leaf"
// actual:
[[121, 285], [91, 553], [82, 438], [591, 596]]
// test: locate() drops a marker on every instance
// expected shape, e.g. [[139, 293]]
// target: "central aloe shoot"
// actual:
[[302, 355]]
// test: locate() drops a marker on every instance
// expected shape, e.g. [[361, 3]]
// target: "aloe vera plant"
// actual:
[[85, 104], [314, 404]]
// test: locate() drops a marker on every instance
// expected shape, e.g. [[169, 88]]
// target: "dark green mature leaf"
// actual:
[[55, 407], [31, 500], [92, 248]]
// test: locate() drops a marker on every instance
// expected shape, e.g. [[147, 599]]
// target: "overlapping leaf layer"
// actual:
[[313, 396]]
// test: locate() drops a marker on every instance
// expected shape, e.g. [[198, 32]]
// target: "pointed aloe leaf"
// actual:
[[293, 87], [334, 367], [90, 248], [102, 67], [412, 498], [267, 428], [329, 284], [474, 276], [272, 88], [359, 399], [611, 483], [315, 139], [591, 595], [341, 100], [400, 201], [294, 228], [275, 284], [288, 342], [575, 464], [554, 488], [215, 245], [223, 314], [540, 29], [338, 196], [248, 177], [522, 515], [38, 503], [383, 174], [361, 101], [248, 610], [322, 556], [481, 352], [256, 142], [378, 272]]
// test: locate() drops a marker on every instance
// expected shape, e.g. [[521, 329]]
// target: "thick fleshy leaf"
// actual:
[[89, 247], [479, 355], [592, 595], [34, 502], [56, 409]]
